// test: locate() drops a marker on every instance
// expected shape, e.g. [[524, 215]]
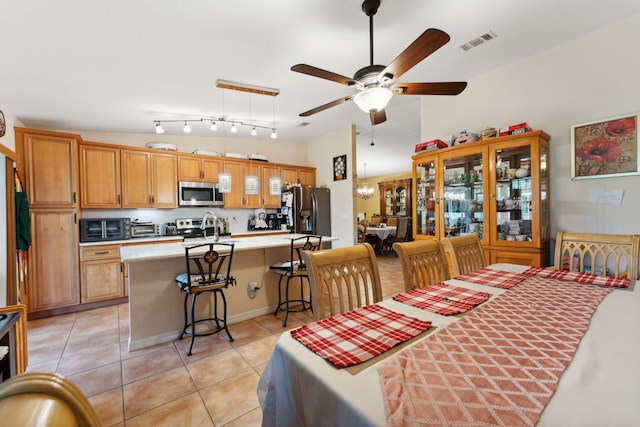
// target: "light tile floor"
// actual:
[[161, 386]]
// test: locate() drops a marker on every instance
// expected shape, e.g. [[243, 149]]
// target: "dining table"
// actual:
[[539, 351], [381, 232]]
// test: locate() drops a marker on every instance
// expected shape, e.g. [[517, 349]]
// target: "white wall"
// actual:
[[321, 152], [586, 79]]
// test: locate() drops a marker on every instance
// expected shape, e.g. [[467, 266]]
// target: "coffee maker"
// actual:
[[275, 221]]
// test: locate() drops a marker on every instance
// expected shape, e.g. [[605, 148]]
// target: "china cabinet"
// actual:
[[497, 188], [395, 197]]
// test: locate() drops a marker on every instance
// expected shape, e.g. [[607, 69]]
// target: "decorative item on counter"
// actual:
[[466, 137], [487, 132], [514, 129]]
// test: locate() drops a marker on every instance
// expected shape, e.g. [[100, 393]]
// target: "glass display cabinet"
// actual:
[[496, 188], [395, 197]]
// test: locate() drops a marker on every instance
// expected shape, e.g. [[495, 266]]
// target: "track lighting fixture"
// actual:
[[233, 129], [159, 128], [274, 135], [213, 126], [254, 132], [235, 125], [186, 128]]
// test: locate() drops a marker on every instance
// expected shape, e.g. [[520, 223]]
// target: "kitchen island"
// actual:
[[156, 302]]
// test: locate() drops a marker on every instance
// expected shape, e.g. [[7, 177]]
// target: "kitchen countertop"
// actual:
[[133, 253], [161, 239]]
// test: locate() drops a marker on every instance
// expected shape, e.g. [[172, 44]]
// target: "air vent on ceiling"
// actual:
[[303, 124], [490, 35]]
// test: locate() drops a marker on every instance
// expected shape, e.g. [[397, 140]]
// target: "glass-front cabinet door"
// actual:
[[426, 196]]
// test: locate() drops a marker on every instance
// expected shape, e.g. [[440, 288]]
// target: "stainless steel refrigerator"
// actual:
[[309, 210]]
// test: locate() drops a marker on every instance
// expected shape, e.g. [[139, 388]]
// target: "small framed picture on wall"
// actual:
[[340, 168]]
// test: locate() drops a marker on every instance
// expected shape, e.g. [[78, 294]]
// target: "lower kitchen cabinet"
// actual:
[[101, 275]]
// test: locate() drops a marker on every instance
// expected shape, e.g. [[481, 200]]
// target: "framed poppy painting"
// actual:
[[605, 148]]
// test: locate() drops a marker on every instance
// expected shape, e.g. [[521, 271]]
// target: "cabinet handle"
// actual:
[[75, 218], [101, 253], [201, 174], [74, 197], [118, 200]]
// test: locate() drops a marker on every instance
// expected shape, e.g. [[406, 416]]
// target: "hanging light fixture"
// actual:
[[365, 192]]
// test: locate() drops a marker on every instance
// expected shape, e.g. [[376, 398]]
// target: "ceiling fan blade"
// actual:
[[430, 41], [326, 106], [443, 88], [378, 117], [323, 74]]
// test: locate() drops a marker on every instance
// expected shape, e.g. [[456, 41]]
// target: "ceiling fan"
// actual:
[[374, 83]]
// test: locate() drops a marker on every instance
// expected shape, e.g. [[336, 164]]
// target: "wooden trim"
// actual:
[[12, 274]]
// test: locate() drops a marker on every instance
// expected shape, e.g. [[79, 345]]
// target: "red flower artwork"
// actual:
[[622, 127], [600, 150]]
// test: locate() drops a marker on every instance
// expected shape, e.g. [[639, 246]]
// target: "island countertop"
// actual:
[[136, 253]]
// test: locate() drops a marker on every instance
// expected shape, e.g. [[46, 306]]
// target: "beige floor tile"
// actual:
[[126, 354], [82, 342], [108, 406], [258, 352], [188, 411], [232, 397], [250, 419], [216, 368], [99, 380], [90, 358], [157, 390], [150, 364], [48, 366], [273, 324], [247, 331], [203, 347]]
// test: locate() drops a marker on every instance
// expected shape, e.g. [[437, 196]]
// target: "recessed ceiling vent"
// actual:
[[478, 40]]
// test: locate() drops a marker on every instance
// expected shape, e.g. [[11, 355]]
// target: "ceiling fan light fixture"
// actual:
[[373, 99]]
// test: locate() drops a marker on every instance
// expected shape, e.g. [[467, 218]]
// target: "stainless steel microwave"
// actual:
[[199, 194]]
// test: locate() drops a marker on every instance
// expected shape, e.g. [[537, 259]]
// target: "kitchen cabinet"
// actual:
[[100, 176], [198, 169], [51, 161], [101, 276], [238, 197], [305, 176], [149, 179], [395, 197], [52, 282], [497, 188], [49, 165]]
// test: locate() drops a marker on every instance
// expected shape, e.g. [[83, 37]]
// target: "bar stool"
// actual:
[[294, 267], [208, 270]]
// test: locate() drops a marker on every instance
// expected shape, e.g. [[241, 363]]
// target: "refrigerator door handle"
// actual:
[[314, 203]]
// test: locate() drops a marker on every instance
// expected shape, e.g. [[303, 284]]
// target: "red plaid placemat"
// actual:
[[575, 276], [490, 277], [356, 336], [442, 298]]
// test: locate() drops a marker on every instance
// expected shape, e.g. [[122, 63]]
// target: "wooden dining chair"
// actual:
[[423, 263], [375, 220], [465, 253], [392, 221], [343, 279]]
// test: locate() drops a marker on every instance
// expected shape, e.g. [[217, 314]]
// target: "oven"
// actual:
[[104, 229]]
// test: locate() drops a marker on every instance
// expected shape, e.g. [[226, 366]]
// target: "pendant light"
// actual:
[[364, 192]]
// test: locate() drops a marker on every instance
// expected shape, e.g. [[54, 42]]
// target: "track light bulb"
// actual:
[[234, 129], [254, 132], [159, 129], [213, 126], [274, 135], [186, 128]]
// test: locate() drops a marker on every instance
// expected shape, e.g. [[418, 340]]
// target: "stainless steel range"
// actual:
[[190, 227]]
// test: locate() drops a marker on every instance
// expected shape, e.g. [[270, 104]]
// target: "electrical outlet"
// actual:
[[252, 287]]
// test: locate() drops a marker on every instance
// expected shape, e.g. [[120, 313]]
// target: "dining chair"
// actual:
[[294, 267], [45, 399], [402, 229], [392, 221], [375, 220], [423, 263], [465, 253], [343, 279], [208, 271]]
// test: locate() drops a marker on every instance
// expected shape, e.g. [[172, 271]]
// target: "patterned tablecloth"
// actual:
[[443, 299]]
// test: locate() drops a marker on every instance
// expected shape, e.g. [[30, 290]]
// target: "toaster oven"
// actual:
[[103, 229], [145, 230]]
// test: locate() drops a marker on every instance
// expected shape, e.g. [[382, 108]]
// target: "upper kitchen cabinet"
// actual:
[[305, 176], [149, 179], [395, 197], [198, 169], [250, 184], [50, 166], [100, 176], [269, 200], [497, 188]]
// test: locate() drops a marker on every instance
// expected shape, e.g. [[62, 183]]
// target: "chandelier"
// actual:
[[364, 192]]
